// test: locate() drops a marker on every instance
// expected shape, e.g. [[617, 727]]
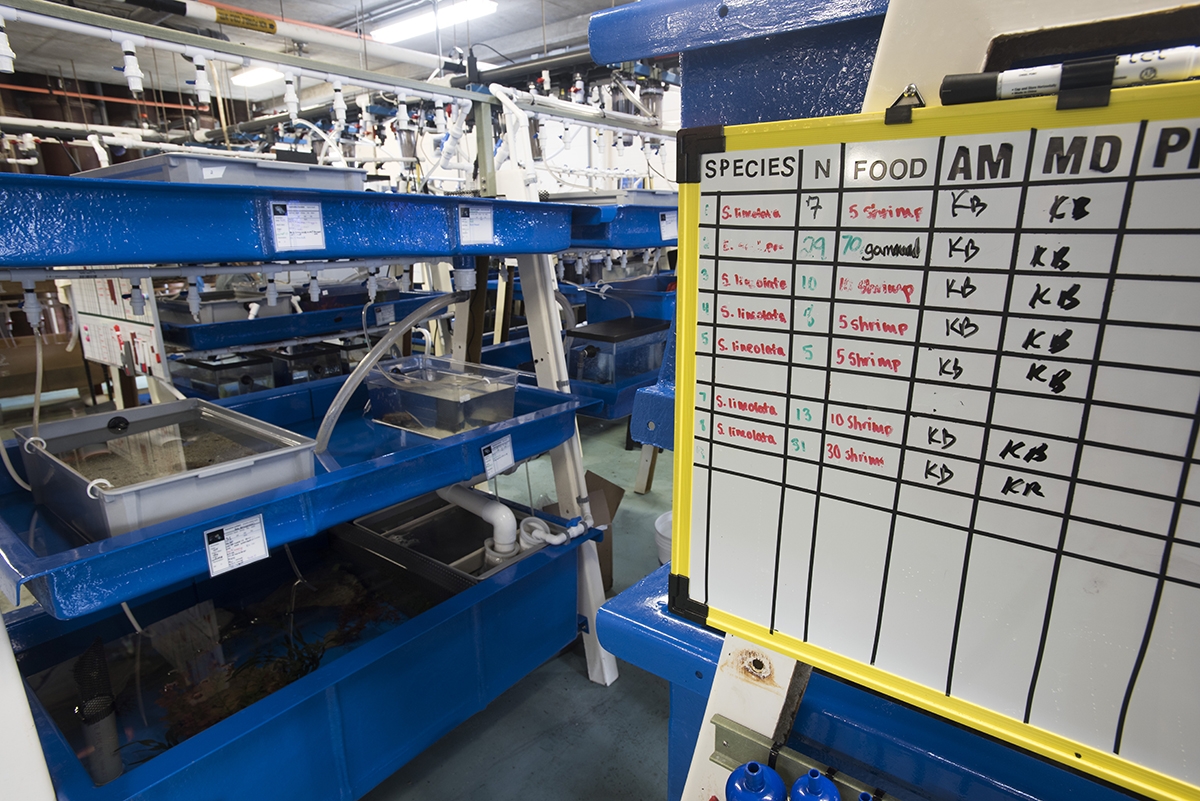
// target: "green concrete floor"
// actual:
[[555, 735]]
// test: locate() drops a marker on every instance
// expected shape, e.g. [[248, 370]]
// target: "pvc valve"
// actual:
[[137, 301], [813, 786], [7, 56], [133, 73], [339, 105], [290, 98], [314, 291], [32, 305], [755, 782], [193, 297], [272, 291], [372, 284], [203, 87]]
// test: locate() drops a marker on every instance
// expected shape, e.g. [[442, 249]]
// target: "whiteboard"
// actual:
[[937, 412]]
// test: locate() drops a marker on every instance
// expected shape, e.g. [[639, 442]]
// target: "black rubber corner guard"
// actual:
[[691, 144], [680, 603]]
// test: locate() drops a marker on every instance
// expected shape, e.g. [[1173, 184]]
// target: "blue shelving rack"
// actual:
[[342, 728]]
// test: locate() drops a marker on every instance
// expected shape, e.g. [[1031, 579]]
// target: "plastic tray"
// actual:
[[188, 168], [211, 336], [440, 397], [160, 442]]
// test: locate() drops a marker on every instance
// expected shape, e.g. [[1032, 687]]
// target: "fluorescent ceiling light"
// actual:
[[421, 24], [256, 76]]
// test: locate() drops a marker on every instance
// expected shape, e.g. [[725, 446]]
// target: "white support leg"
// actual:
[[645, 476], [750, 688], [502, 290], [22, 763], [545, 333]]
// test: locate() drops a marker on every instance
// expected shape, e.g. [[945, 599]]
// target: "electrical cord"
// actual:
[[494, 50]]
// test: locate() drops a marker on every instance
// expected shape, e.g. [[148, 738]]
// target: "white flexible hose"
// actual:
[[339, 157], [37, 382]]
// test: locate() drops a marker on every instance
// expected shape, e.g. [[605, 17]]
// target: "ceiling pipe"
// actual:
[[74, 129], [270, 25], [503, 74], [117, 29]]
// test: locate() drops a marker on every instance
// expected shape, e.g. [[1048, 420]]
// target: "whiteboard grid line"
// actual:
[[990, 535], [787, 404], [973, 520], [812, 549], [1083, 423], [708, 495], [1158, 590], [787, 412], [908, 413]]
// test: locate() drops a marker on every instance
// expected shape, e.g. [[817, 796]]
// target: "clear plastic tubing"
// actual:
[[381, 348]]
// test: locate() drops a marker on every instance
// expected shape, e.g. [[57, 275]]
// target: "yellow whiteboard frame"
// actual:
[[1164, 101]]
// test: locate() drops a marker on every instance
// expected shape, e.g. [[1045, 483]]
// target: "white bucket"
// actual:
[[662, 537]]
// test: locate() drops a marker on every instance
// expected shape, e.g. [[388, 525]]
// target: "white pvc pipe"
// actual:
[[450, 149], [567, 106], [119, 37], [54, 125], [341, 41], [517, 137], [501, 518]]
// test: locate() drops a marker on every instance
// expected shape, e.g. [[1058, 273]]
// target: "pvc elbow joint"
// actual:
[[501, 518]]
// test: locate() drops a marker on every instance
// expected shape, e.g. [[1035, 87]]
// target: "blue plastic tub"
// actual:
[[651, 296], [339, 730]]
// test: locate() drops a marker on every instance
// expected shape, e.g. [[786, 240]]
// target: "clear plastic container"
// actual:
[[224, 376], [107, 474], [438, 397], [616, 350], [303, 363], [353, 350]]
